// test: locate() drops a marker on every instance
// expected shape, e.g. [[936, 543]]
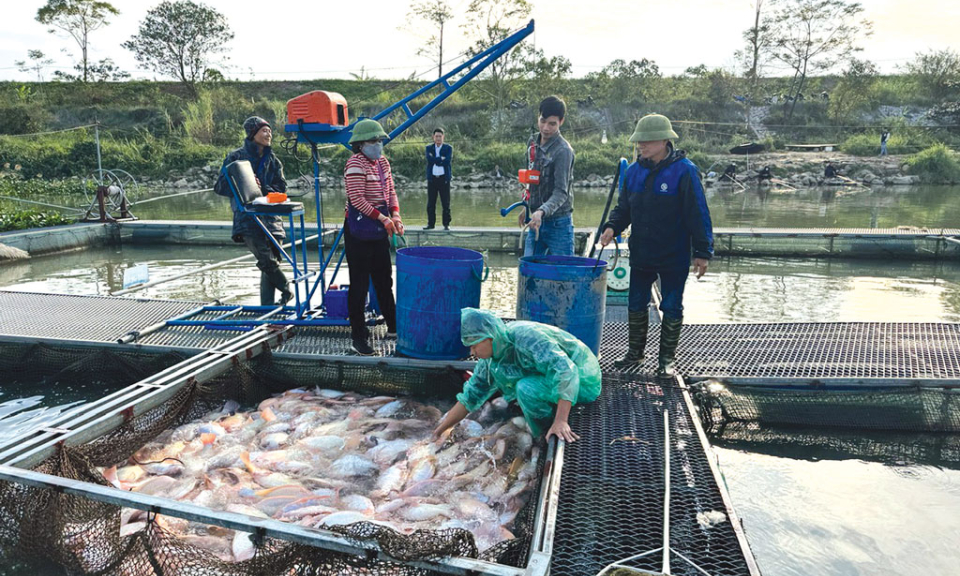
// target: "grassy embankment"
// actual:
[[153, 129]]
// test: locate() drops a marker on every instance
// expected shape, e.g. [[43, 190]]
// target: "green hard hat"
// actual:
[[367, 129], [653, 127]]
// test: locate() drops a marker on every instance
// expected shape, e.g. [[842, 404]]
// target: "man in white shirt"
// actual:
[[438, 180]]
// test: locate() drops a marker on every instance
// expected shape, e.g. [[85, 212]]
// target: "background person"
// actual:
[[662, 199], [438, 179], [543, 368], [269, 172], [372, 216], [551, 201]]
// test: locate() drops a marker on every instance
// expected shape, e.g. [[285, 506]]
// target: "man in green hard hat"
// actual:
[[662, 199]]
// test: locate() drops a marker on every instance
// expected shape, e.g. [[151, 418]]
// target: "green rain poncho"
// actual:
[[535, 364]]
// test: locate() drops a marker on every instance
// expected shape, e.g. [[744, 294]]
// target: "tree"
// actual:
[[105, 70], [37, 62], [78, 18], [626, 82], [937, 72], [755, 55], [854, 88], [435, 13], [489, 22], [180, 39], [815, 35]]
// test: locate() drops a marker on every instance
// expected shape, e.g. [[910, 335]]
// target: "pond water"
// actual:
[[921, 206], [805, 511]]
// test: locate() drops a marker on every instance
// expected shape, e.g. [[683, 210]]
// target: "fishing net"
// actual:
[[896, 409], [892, 448], [48, 531]]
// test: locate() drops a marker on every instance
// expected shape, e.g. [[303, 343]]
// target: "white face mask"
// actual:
[[372, 151]]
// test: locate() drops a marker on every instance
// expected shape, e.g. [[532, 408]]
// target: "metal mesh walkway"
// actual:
[[86, 318], [612, 487], [839, 352]]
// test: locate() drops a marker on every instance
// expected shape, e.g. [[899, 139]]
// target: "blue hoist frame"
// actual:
[[303, 313]]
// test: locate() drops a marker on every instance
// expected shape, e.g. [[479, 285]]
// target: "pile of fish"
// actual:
[[323, 458]]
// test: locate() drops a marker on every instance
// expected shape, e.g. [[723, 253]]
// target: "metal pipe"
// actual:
[[666, 492], [323, 539], [197, 271], [42, 204], [104, 415], [148, 200], [96, 135], [732, 516]]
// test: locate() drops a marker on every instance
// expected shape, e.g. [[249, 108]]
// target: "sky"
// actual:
[[296, 40]]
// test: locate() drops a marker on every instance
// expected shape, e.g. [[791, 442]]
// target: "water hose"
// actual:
[[526, 220]]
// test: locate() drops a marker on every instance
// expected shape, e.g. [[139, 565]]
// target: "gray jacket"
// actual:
[[554, 160]]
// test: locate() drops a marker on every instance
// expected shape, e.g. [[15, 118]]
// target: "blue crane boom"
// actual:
[[315, 133]]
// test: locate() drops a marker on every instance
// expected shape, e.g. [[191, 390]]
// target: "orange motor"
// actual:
[[529, 176], [318, 107], [276, 197]]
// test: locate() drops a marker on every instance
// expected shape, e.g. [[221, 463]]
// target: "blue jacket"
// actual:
[[668, 212], [269, 171], [446, 154]]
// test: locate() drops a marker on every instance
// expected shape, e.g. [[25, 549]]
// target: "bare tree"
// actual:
[[815, 35], [37, 62], [78, 18], [435, 13], [756, 52]]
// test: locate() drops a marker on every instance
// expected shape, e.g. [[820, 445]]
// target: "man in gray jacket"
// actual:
[[550, 199]]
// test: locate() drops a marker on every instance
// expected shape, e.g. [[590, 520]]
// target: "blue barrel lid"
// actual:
[[445, 253], [552, 267]]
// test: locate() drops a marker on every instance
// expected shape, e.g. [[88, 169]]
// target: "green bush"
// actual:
[[937, 164], [23, 119], [13, 183], [26, 219]]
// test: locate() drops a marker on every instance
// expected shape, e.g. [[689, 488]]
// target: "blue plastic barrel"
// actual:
[[568, 292], [433, 284]]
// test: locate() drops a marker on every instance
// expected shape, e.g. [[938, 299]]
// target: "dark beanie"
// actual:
[[252, 125]]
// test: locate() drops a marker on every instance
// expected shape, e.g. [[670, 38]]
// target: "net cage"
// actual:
[[892, 448], [55, 532], [903, 409], [850, 243]]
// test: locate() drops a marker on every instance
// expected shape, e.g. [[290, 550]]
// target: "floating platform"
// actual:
[[832, 354], [903, 243], [609, 492]]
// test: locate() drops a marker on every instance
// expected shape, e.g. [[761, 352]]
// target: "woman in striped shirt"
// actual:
[[372, 216]]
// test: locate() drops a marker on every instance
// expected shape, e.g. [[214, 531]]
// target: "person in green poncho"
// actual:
[[545, 369]]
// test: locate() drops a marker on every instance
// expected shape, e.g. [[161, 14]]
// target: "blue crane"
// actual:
[[316, 133]]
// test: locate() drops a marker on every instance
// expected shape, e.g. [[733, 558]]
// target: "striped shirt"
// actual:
[[365, 191]]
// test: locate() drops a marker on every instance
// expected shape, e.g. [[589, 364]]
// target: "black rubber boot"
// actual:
[[669, 338], [279, 281], [638, 324]]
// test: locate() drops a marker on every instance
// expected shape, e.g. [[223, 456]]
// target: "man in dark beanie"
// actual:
[[269, 172]]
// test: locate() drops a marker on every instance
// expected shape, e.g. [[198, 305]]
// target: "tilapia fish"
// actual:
[[322, 458]]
